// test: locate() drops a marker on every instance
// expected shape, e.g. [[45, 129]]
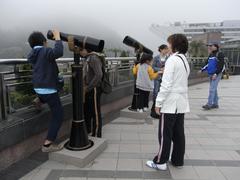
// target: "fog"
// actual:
[[110, 20]]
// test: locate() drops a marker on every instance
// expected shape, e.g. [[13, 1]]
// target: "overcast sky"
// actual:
[[132, 17]]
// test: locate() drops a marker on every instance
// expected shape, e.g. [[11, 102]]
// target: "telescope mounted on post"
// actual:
[[84, 42], [79, 136], [129, 41]]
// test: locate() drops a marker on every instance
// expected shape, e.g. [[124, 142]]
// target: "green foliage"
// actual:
[[66, 88], [124, 54], [23, 94], [20, 100], [24, 70], [197, 49]]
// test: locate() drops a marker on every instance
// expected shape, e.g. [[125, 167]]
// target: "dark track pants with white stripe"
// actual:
[[92, 112], [171, 129]]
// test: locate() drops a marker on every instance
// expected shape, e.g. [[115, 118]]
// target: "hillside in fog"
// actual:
[[13, 40]]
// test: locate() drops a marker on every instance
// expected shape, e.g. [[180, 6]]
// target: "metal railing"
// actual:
[[234, 54], [15, 79], [16, 91]]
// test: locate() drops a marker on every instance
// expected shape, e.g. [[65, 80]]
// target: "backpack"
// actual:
[[224, 62], [105, 85]]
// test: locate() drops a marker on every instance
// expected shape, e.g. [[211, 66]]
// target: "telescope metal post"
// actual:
[[79, 135]]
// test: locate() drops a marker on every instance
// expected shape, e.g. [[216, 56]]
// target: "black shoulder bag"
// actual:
[[106, 86]]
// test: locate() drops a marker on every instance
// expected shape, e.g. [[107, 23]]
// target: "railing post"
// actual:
[[191, 64], [238, 59], [116, 76], [3, 105]]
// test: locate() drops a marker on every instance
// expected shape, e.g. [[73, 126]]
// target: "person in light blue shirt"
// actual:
[[46, 83]]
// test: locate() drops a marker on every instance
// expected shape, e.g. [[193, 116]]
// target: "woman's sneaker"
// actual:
[[162, 167], [178, 167], [140, 110], [51, 148]]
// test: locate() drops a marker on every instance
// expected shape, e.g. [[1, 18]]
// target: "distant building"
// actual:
[[219, 31], [229, 29], [225, 33], [233, 43], [208, 37]]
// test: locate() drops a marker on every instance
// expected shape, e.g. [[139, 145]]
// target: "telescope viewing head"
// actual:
[[83, 42], [138, 47]]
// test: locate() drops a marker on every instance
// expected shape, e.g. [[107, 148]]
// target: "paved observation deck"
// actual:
[[212, 144]]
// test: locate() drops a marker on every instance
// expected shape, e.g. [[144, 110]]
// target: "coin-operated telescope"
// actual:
[[139, 47], [79, 135], [84, 42]]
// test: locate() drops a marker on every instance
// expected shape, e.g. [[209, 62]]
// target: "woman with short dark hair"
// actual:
[[171, 104]]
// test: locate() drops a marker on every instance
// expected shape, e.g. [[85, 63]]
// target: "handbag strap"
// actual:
[[183, 62]]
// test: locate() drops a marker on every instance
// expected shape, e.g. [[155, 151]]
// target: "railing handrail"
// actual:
[[60, 60], [117, 66], [13, 61]]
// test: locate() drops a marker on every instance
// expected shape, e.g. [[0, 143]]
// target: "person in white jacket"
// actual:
[[171, 104]]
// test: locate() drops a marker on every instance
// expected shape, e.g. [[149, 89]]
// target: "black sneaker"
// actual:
[[207, 107], [131, 109], [215, 106]]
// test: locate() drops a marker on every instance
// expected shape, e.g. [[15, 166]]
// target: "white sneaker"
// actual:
[[52, 148], [162, 167], [145, 109], [140, 110]]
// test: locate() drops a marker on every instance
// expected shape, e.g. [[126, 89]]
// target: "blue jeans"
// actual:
[[157, 84], [213, 94], [54, 103]]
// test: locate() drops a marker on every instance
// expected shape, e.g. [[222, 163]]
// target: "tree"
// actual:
[[197, 49], [124, 54]]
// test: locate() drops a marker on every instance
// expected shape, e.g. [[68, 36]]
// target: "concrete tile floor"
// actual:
[[212, 138]]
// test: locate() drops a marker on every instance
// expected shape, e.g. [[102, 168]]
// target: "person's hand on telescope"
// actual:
[[56, 34]]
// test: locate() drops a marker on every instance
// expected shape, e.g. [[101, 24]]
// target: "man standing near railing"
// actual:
[[214, 67], [45, 82]]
